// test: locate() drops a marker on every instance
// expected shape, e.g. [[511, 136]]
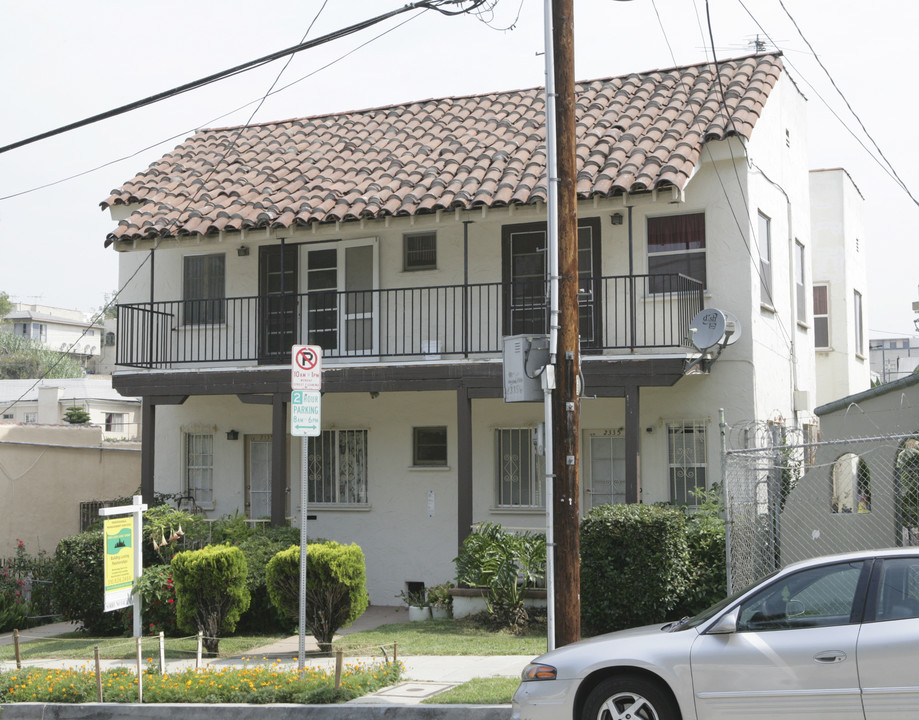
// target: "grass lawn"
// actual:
[[79, 646], [446, 637], [481, 691]]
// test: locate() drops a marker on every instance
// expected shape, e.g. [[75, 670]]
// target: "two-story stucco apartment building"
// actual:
[[407, 241]]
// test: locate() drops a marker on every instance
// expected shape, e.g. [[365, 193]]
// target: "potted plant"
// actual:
[[418, 608], [441, 601]]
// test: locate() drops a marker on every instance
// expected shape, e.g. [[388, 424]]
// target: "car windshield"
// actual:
[[709, 613]]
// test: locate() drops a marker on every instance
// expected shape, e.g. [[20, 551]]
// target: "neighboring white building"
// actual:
[[840, 283], [894, 358], [407, 242], [68, 331], [45, 402]]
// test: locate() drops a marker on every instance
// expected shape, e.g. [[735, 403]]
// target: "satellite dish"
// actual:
[[707, 328], [731, 328]]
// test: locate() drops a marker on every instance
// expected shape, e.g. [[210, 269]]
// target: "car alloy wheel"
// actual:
[[629, 697]]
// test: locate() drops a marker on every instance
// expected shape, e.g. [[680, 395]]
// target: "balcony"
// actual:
[[618, 314]]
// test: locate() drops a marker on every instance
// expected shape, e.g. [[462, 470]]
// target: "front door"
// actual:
[[277, 290], [258, 476], [605, 464]]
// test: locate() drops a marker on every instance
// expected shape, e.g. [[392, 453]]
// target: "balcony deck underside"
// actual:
[[603, 377]]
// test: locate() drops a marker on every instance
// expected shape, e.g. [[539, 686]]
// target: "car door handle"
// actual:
[[830, 656]]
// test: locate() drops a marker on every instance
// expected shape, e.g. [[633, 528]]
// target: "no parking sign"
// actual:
[[306, 367]]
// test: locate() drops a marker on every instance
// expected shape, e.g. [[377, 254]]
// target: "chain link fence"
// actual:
[[788, 499]]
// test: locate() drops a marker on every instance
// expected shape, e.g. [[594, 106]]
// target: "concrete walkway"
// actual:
[[424, 676]]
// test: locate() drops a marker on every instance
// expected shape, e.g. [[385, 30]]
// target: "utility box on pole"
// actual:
[[525, 359]]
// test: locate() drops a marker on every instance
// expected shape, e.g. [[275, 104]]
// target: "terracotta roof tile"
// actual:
[[634, 133]]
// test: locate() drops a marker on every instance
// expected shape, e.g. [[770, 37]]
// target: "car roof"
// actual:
[[853, 555]]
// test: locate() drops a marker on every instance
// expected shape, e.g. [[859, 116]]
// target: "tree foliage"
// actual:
[[22, 358]]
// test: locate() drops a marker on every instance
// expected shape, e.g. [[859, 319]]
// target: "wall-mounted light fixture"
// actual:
[[374, 394], [616, 218], [232, 434], [242, 251]]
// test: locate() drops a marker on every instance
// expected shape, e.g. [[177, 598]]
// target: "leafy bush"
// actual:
[[211, 592], [168, 531], [705, 538], [507, 564], [77, 578], [634, 565], [158, 596], [231, 530], [336, 586], [262, 616], [12, 602], [25, 588]]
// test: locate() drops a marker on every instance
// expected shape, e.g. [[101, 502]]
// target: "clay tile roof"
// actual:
[[634, 133]]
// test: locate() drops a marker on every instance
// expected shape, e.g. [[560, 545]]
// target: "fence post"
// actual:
[[339, 657], [98, 674], [727, 502], [140, 672], [17, 649], [162, 653], [198, 653]]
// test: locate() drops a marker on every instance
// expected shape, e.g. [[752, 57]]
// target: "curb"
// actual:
[[116, 711]]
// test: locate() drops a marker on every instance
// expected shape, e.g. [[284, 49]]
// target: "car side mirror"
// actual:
[[726, 624]]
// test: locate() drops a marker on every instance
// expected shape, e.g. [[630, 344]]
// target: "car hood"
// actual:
[[649, 647]]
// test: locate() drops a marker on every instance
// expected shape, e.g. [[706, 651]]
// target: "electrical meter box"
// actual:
[[525, 359]]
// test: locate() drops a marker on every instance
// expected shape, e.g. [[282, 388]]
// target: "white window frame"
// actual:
[[199, 466], [422, 438], [683, 462], [800, 288], [687, 256], [336, 465], [514, 468], [114, 421], [822, 319], [764, 242], [858, 317]]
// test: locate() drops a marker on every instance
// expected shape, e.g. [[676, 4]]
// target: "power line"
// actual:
[[438, 5]]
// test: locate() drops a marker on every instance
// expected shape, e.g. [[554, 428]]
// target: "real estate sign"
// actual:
[[119, 562]]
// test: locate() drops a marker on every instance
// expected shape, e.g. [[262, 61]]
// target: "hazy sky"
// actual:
[[63, 61]]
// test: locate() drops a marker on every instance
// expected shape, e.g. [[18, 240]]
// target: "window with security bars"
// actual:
[[336, 467], [420, 251], [519, 469], [687, 461], [199, 466], [204, 284]]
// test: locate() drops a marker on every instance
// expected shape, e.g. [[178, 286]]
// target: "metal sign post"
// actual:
[[305, 421]]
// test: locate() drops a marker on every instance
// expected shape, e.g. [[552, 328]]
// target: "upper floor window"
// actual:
[[518, 471], [419, 251], [859, 327], [800, 293], [204, 285], [114, 422], [337, 467], [30, 417], [676, 244], [764, 240], [687, 459], [821, 316]]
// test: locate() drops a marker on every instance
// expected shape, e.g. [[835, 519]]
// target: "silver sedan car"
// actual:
[[833, 637]]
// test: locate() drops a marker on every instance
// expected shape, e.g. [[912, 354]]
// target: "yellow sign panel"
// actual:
[[119, 562]]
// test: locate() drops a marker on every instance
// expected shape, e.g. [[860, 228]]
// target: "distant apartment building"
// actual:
[[893, 358], [69, 331]]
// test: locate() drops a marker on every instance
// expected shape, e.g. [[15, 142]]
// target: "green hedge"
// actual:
[[211, 593], [77, 578], [635, 566], [336, 586]]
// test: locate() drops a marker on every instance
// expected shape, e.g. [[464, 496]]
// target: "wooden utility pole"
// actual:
[[565, 408]]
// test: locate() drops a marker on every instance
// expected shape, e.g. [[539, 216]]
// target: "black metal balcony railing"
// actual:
[[453, 321]]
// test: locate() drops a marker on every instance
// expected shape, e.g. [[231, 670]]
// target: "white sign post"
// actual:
[[305, 421], [137, 509]]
